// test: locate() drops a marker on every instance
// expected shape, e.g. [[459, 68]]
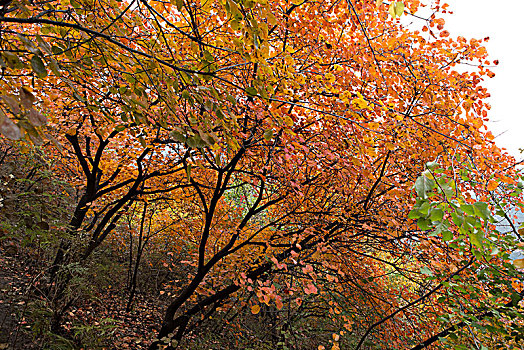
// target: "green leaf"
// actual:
[[424, 224], [43, 45], [481, 209], [268, 134], [142, 141], [441, 299], [495, 251], [515, 299], [437, 214], [33, 134], [208, 138], [446, 186], [235, 11], [457, 219], [231, 99], [453, 336], [424, 208], [476, 238], [447, 235], [441, 226], [208, 56], [196, 142], [53, 65], [271, 19], [473, 221], [177, 135], [426, 271], [57, 50], [431, 165], [28, 43], [263, 92], [423, 185], [414, 214], [12, 60], [38, 66], [235, 25], [251, 91], [468, 209], [186, 96], [220, 114]]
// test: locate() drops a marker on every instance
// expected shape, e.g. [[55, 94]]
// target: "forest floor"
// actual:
[[100, 324], [15, 333]]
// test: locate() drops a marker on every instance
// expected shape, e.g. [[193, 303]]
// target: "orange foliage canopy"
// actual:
[[287, 137]]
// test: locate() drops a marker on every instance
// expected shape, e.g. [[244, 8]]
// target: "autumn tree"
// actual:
[[285, 138]]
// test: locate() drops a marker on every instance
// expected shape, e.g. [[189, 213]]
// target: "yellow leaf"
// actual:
[[288, 121], [255, 309], [492, 185], [206, 5], [271, 19], [399, 8], [391, 9], [379, 3], [519, 263], [289, 60]]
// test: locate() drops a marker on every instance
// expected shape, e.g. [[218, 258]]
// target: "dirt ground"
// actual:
[[14, 282]]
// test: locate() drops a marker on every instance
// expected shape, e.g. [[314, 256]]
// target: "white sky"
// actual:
[[502, 22]]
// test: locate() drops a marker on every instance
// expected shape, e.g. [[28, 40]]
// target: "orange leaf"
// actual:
[[492, 185]]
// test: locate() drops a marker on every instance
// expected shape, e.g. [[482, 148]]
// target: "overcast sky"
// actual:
[[502, 22]]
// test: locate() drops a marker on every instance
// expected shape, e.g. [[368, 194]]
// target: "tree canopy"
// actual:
[[316, 166]]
